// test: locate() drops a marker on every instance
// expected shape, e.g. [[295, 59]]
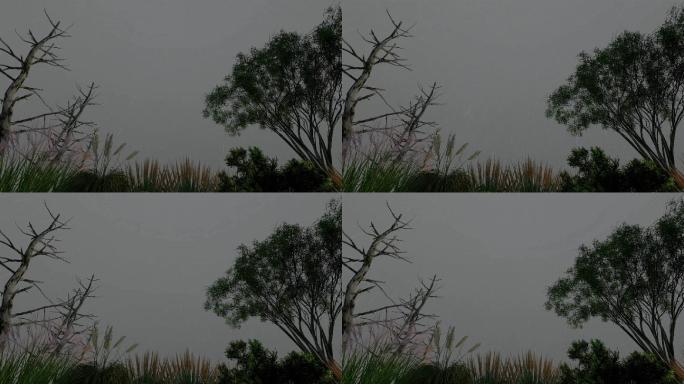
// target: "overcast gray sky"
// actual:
[[155, 255], [155, 60], [497, 61], [496, 255]]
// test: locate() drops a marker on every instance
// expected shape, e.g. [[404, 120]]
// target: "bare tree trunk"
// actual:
[[10, 291], [41, 51], [402, 127], [41, 244], [404, 325]]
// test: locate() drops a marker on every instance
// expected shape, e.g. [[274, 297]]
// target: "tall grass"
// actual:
[[184, 176], [383, 171], [30, 368], [491, 368], [377, 367], [183, 369], [526, 176], [378, 173], [34, 174]]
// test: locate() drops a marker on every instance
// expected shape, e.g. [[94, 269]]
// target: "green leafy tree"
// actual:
[[292, 280], [634, 279], [634, 87], [292, 86]]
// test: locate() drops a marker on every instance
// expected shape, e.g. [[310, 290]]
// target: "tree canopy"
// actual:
[[290, 279], [634, 86], [634, 279], [292, 86]]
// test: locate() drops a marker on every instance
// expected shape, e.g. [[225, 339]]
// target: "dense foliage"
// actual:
[[597, 172], [255, 172], [290, 279], [632, 87], [292, 86], [596, 364], [254, 364], [634, 279]]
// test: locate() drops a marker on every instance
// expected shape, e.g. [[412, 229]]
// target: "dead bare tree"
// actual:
[[61, 128], [403, 129], [61, 318], [403, 321], [70, 325]]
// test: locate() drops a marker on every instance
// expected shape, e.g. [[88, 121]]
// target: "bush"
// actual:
[[457, 373], [597, 172], [115, 373], [597, 364], [254, 364], [255, 172], [89, 181]]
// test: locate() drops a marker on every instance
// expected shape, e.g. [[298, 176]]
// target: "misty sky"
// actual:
[[496, 255], [154, 61], [497, 61], [155, 255]]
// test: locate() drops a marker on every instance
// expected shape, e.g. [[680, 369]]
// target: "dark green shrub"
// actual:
[[92, 374], [89, 181], [645, 176], [255, 172], [597, 172], [457, 373], [255, 364], [597, 364], [433, 181]]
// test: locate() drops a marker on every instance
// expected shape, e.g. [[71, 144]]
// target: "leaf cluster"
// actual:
[[273, 278]]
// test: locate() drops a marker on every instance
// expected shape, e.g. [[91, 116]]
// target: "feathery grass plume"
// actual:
[[105, 349], [107, 158], [448, 351]]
